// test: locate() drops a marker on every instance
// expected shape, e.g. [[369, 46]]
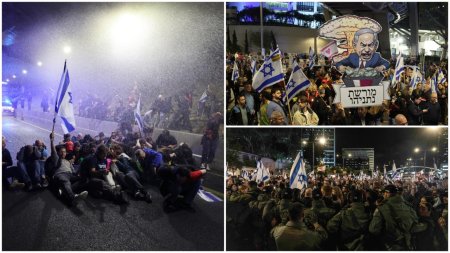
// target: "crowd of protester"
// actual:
[[114, 168], [314, 106], [179, 111], [337, 212]]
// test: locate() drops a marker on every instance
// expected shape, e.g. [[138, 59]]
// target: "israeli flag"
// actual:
[[208, 196], [253, 66], [297, 177], [203, 97], [269, 73], [64, 104], [441, 77], [262, 174], [433, 83], [235, 74], [297, 82], [399, 68], [416, 77], [311, 58], [137, 115]]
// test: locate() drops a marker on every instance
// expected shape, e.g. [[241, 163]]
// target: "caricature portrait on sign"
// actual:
[[357, 57], [358, 36]]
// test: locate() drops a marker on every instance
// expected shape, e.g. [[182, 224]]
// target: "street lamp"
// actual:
[[417, 150], [67, 49], [39, 63], [24, 71], [322, 141]]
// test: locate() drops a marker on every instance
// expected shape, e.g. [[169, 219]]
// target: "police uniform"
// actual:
[[296, 236], [395, 221], [351, 224]]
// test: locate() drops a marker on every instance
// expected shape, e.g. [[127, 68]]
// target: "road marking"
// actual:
[[40, 128]]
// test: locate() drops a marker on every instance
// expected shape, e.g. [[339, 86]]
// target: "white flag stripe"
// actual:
[[269, 73], [64, 104]]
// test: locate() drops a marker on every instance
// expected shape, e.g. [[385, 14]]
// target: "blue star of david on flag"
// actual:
[[269, 72], [302, 178], [290, 84]]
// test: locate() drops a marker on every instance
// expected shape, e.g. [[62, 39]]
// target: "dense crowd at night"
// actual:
[[337, 212], [418, 105]]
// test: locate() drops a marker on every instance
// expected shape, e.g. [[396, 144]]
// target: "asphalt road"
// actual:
[[39, 221]]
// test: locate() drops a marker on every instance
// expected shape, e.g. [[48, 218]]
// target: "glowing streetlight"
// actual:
[[39, 63], [14, 76], [322, 140], [349, 155], [24, 71], [434, 149], [304, 142], [67, 49], [416, 150], [7, 80]]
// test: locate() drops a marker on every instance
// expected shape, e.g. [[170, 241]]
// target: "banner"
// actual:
[[361, 96]]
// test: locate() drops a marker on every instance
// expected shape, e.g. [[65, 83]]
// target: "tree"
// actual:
[[274, 44], [234, 46], [246, 43], [229, 45]]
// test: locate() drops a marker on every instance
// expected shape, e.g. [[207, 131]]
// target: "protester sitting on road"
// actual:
[[179, 181], [28, 162], [127, 175], [10, 172], [93, 169], [66, 182], [165, 139], [149, 161]]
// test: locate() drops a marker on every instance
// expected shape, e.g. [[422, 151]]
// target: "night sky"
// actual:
[[389, 143]]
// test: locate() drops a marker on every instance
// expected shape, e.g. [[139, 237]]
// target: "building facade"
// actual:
[[358, 158]]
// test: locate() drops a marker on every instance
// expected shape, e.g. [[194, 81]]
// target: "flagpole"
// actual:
[[261, 25], [287, 99]]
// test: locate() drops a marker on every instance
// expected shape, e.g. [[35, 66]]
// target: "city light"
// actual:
[[304, 142], [7, 79], [67, 49], [39, 63], [349, 155], [14, 76], [24, 71], [434, 149], [322, 140], [416, 150], [129, 32]]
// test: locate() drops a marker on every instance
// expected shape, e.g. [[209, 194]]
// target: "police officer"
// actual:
[[248, 196], [295, 235], [395, 221], [352, 223], [318, 210]]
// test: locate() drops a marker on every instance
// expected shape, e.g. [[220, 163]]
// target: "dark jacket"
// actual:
[[433, 116], [236, 117]]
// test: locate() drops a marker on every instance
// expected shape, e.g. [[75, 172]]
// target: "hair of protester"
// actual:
[[101, 149], [266, 95], [364, 31], [295, 211], [275, 90], [326, 190]]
